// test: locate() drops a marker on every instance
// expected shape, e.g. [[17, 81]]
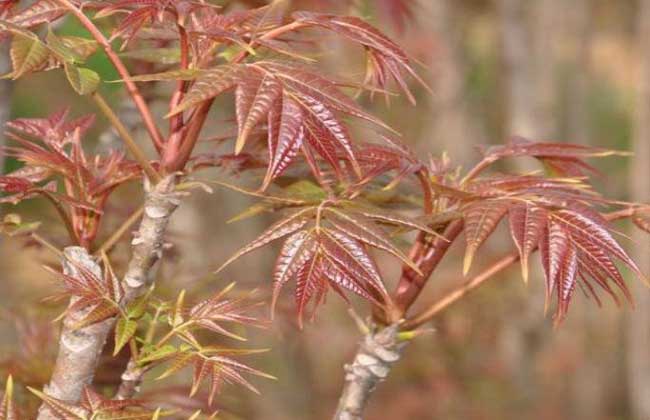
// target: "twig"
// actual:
[[119, 233], [459, 292], [63, 214], [147, 245], [79, 350], [131, 87], [131, 380], [47, 244], [427, 256], [129, 141]]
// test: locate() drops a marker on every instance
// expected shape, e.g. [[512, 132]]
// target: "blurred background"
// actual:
[[561, 70]]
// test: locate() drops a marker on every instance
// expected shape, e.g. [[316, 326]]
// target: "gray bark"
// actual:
[[79, 350], [377, 353]]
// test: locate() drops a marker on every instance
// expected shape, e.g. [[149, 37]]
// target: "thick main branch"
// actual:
[[79, 349], [378, 352]]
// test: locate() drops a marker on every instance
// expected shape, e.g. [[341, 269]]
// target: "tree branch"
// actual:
[[131, 380], [79, 350], [147, 245], [131, 87], [427, 255], [128, 140], [378, 352], [460, 291]]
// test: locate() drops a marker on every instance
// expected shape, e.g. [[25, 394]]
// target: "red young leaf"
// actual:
[[481, 218], [94, 405], [259, 105], [41, 11], [284, 139], [565, 158], [284, 227], [386, 59], [527, 222]]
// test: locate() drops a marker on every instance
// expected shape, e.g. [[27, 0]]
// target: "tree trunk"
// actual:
[[5, 99], [578, 35], [638, 323], [527, 29], [453, 128], [79, 350], [377, 353]]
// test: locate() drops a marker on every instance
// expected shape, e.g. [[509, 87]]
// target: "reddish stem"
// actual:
[[425, 183], [176, 122], [191, 137], [430, 254], [459, 292], [177, 160], [131, 87]]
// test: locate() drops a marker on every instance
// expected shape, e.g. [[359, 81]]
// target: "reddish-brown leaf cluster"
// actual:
[[94, 405], [301, 111], [37, 13], [287, 114], [51, 150], [97, 297], [325, 248], [386, 60], [557, 215]]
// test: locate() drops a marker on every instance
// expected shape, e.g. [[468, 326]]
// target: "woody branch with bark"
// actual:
[[292, 135]]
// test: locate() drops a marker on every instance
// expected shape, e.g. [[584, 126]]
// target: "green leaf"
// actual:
[[83, 81], [62, 52], [27, 54], [306, 190], [124, 331], [137, 308], [12, 225], [155, 55], [7, 408], [157, 354], [172, 75], [83, 47], [179, 362], [177, 316]]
